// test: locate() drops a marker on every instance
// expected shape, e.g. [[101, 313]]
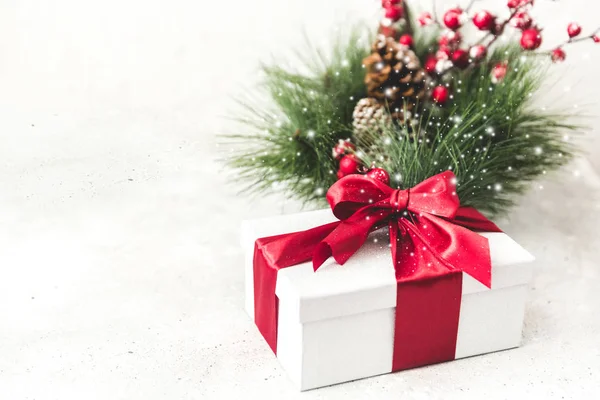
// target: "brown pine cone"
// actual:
[[368, 119], [394, 76]]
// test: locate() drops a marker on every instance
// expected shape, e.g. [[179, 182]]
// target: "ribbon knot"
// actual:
[[399, 199]]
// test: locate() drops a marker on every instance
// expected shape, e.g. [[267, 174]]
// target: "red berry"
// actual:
[[349, 164], [478, 52], [484, 20], [430, 64], [387, 31], [518, 3], [379, 174], [425, 19], [452, 18], [340, 175], [387, 3], [460, 58], [596, 39], [443, 53], [531, 39], [440, 95], [394, 13], [450, 39], [406, 40], [521, 20], [558, 55], [573, 29], [499, 72], [342, 147]]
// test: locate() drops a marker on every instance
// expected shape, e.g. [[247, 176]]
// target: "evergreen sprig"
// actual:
[[290, 145], [491, 135]]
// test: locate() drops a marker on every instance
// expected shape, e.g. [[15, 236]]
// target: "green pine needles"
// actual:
[[490, 135]]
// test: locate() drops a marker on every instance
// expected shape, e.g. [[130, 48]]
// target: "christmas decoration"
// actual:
[[558, 55], [369, 116], [408, 304], [426, 97], [484, 21], [440, 95], [518, 3], [522, 20], [531, 39], [394, 76], [343, 147], [478, 52], [460, 58], [388, 31], [430, 64], [499, 72], [425, 19], [406, 40], [392, 12], [379, 174], [573, 30], [449, 41], [453, 18], [349, 164]]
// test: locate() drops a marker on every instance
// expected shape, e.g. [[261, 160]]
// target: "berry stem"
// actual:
[[434, 13], [471, 3], [407, 17], [581, 39], [503, 26], [495, 36]]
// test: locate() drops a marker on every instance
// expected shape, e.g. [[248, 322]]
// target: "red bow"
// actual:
[[426, 224]]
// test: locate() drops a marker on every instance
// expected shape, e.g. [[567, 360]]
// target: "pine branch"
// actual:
[[289, 148]]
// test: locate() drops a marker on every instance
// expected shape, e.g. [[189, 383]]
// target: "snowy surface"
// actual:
[[120, 271]]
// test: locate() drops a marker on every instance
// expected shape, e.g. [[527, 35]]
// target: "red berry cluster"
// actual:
[[350, 164], [453, 54], [574, 32], [393, 12]]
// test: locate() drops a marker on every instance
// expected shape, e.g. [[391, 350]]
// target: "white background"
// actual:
[[120, 271]]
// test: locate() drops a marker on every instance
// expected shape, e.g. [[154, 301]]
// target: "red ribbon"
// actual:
[[431, 248]]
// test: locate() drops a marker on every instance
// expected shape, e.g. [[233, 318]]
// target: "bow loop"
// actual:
[[353, 192], [436, 195]]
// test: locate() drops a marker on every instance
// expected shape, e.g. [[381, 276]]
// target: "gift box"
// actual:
[[364, 318]]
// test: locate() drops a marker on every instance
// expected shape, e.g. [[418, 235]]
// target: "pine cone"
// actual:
[[368, 118], [394, 76]]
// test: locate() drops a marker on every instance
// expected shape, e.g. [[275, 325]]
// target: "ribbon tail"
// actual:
[[414, 259], [470, 218], [458, 247], [270, 255], [349, 235]]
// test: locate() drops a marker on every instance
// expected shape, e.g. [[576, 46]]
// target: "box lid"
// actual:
[[366, 282]]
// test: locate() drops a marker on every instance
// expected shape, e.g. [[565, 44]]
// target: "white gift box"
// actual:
[[337, 324]]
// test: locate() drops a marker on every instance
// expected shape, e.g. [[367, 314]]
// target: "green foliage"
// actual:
[[290, 146], [491, 135]]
